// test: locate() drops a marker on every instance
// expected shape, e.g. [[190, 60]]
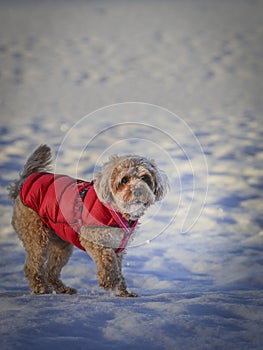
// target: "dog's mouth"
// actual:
[[136, 209], [134, 203]]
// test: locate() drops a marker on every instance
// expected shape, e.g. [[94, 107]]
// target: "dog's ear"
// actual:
[[161, 182], [102, 188], [102, 184]]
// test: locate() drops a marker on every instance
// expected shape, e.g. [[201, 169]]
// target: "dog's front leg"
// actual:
[[122, 287], [108, 273], [100, 244]]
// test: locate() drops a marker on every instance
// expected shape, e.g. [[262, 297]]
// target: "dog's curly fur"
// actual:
[[129, 183]]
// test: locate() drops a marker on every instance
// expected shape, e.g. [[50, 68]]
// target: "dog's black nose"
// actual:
[[137, 192]]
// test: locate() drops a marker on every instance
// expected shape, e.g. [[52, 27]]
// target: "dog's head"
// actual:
[[130, 184]]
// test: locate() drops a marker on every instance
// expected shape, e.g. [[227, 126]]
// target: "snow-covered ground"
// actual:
[[194, 67]]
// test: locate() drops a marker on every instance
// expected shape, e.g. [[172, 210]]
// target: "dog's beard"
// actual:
[[134, 210], [135, 207]]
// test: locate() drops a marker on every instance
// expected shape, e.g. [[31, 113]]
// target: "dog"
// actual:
[[54, 212]]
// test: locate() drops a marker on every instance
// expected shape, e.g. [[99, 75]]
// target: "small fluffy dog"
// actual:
[[53, 212]]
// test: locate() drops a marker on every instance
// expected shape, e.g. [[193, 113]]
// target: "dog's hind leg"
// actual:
[[35, 237], [59, 253]]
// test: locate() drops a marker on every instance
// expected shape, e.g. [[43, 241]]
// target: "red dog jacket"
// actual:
[[64, 204]]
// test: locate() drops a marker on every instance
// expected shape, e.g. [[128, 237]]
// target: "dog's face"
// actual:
[[130, 184]]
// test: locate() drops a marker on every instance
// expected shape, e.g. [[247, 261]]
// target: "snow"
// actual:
[[179, 82]]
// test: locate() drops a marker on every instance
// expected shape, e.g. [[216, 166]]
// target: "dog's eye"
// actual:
[[124, 180], [147, 179]]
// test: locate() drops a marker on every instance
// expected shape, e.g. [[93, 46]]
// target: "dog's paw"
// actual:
[[41, 290], [126, 294], [66, 290]]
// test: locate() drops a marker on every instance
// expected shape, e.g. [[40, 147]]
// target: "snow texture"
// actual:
[[195, 69]]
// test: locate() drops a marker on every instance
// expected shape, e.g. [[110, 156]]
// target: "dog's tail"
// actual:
[[40, 160]]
